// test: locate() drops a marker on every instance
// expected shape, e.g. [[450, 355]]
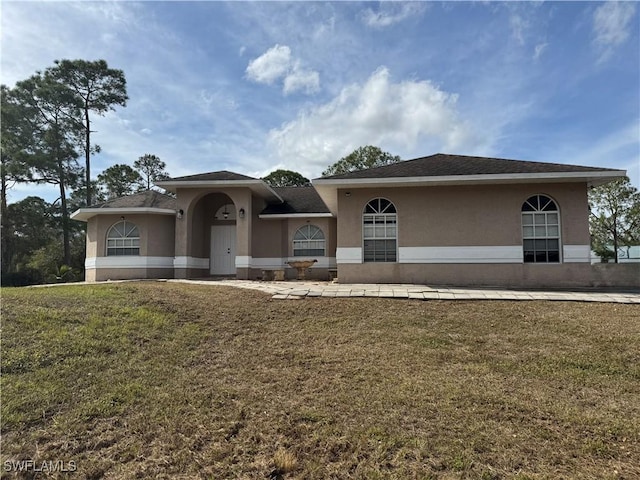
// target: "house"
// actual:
[[441, 219]]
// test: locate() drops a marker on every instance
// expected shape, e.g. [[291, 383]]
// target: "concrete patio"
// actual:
[[295, 290]]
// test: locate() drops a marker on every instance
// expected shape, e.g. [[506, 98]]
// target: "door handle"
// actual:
[[228, 250]]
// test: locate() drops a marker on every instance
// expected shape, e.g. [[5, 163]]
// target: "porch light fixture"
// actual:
[[225, 213], [241, 213], [347, 194], [180, 213]]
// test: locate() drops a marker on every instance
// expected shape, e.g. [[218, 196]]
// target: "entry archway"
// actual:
[[222, 250]]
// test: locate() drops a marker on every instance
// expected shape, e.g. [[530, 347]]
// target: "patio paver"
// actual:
[[302, 289]]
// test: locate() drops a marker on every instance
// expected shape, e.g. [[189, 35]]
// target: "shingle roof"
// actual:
[[296, 200], [442, 164], [222, 175], [147, 199]]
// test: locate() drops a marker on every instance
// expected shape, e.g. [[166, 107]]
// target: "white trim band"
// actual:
[[84, 214], [470, 254], [243, 261], [279, 216], [128, 261], [191, 262], [572, 176], [323, 262], [576, 254], [277, 263], [348, 255]]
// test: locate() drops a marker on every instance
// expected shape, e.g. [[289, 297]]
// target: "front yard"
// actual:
[[157, 380]]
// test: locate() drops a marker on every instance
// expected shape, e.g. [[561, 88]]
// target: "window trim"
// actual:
[[306, 239], [395, 238], [135, 240], [557, 237]]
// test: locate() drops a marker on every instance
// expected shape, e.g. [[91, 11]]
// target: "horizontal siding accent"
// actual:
[[323, 262], [191, 262], [128, 261], [576, 253], [271, 263], [466, 254], [277, 263], [243, 261], [349, 255]]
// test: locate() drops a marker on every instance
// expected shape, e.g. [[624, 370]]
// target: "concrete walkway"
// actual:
[[294, 290]]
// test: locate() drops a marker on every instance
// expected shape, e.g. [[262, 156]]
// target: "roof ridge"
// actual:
[[444, 164], [212, 173], [145, 193], [502, 159]]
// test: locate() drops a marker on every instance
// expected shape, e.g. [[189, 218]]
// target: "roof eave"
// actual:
[[257, 186], [474, 179], [327, 188], [279, 216], [84, 214]]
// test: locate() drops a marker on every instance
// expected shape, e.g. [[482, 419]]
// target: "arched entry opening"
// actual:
[[214, 232], [222, 243]]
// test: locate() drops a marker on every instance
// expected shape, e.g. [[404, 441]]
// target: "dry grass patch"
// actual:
[[160, 380]]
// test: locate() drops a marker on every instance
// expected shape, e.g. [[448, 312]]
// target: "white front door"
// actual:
[[223, 250]]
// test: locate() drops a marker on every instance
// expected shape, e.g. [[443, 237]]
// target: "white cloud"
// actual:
[[300, 79], [518, 26], [611, 23], [539, 50], [390, 13], [395, 116], [271, 65], [275, 64]]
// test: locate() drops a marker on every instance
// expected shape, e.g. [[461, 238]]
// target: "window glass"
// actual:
[[379, 231], [308, 241], [123, 239], [540, 230]]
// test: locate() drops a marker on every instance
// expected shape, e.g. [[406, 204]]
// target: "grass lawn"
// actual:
[[157, 380]]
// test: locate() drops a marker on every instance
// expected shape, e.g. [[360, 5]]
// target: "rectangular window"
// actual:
[[307, 248], [541, 243], [123, 246], [379, 232], [308, 241], [380, 250], [540, 230]]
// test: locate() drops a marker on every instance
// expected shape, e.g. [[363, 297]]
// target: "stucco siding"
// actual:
[[273, 245], [499, 275], [199, 205], [444, 216], [130, 274], [161, 235], [92, 238], [157, 234], [327, 225], [621, 275], [465, 235], [269, 238]]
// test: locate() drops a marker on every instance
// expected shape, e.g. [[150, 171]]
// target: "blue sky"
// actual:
[[251, 87]]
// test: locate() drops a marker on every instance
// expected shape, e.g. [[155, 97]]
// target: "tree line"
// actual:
[[45, 124]]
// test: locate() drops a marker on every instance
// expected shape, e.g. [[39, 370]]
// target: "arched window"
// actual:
[[123, 239], [379, 231], [308, 241], [540, 230]]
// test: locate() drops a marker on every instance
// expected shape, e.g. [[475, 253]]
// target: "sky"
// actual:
[[251, 87]]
